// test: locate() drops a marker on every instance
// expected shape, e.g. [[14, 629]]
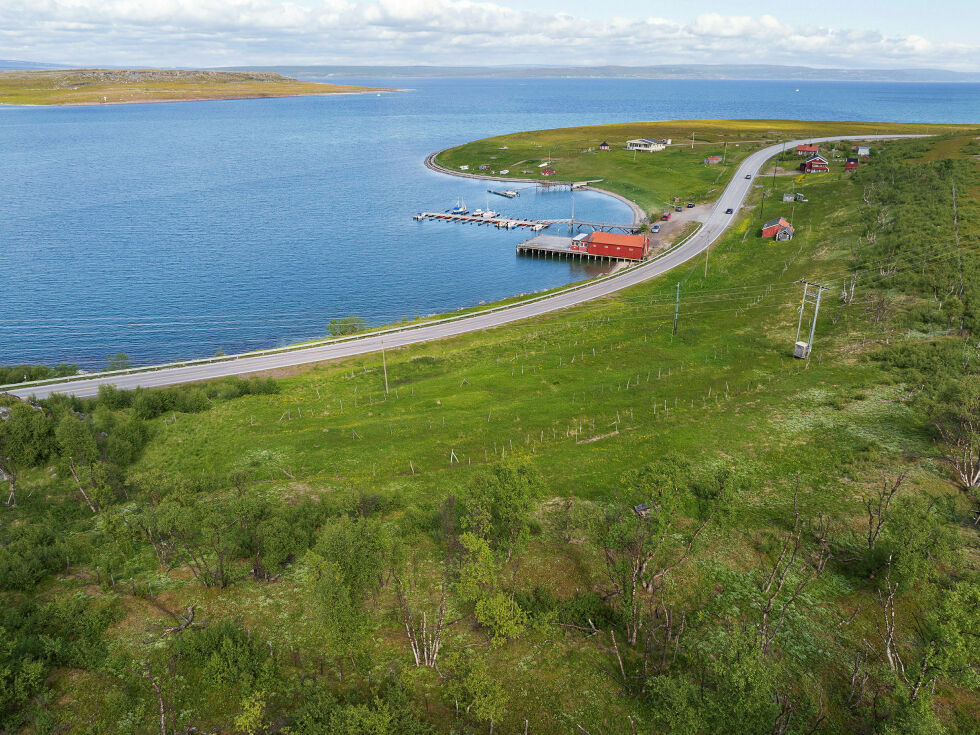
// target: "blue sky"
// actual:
[[838, 33]]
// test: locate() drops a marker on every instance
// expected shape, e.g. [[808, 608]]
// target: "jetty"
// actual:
[[500, 221]]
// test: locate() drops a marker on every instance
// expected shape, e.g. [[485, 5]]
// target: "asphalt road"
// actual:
[[714, 225]]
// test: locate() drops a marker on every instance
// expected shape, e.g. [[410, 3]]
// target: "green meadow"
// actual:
[[488, 481]]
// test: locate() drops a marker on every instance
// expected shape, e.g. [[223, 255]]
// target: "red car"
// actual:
[[665, 216]]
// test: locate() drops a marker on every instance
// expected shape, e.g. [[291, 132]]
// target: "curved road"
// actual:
[[714, 225]]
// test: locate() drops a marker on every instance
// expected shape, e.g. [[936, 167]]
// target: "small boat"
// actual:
[[477, 212], [460, 208], [490, 214], [419, 217]]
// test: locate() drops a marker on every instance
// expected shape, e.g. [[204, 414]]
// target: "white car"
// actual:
[[655, 228]]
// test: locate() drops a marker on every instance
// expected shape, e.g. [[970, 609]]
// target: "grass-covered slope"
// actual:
[[117, 86], [650, 179], [263, 552]]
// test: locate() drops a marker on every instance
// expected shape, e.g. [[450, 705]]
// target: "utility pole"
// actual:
[[677, 307], [724, 155], [809, 297], [692, 140], [384, 364]]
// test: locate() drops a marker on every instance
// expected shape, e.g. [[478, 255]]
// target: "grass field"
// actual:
[[652, 180], [585, 396], [102, 86]]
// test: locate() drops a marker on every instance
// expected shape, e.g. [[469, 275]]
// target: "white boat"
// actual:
[[460, 208], [490, 214], [477, 212]]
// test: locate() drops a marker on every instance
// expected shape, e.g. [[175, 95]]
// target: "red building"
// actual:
[[779, 228], [815, 164], [851, 163], [613, 245], [807, 149]]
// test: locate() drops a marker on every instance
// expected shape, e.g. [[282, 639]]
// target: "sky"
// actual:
[[859, 34]]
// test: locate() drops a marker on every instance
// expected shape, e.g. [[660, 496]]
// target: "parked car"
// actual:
[[729, 210], [690, 205], [678, 208], [655, 228], [748, 176], [665, 216]]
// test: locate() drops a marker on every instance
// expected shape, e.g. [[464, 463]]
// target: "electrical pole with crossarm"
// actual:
[[802, 349]]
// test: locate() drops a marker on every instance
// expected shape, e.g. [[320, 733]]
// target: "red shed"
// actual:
[[613, 245], [773, 226], [807, 149], [851, 163]]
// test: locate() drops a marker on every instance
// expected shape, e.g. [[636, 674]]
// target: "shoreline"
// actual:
[[430, 163], [379, 91]]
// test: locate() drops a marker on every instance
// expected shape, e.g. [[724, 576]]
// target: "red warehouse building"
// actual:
[[613, 245]]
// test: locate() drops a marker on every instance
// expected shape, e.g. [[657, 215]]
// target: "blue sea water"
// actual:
[[173, 230]]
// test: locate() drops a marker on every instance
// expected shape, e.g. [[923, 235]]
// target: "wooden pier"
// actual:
[[554, 246], [579, 225], [508, 223]]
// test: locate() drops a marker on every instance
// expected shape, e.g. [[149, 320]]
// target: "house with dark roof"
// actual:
[[603, 146], [851, 163], [778, 228]]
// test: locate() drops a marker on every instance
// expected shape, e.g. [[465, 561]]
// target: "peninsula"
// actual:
[[125, 86]]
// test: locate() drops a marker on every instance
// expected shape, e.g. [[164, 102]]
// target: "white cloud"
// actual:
[[460, 32]]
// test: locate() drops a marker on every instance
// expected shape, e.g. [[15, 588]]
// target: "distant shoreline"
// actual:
[[201, 99], [90, 87]]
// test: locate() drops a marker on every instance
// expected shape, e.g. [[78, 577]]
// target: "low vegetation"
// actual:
[[579, 523], [117, 86], [650, 179]]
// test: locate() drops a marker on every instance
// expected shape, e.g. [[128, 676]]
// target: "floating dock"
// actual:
[[509, 223]]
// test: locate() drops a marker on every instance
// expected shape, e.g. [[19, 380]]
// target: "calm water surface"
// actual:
[[174, 230]]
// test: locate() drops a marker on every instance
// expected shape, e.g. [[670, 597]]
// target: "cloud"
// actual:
[[458, 32]]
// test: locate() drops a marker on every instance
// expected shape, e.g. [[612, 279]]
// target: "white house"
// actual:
[[647, 145]]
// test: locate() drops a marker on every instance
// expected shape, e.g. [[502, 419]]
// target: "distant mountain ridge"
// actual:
[[8, 64], [663, 71]]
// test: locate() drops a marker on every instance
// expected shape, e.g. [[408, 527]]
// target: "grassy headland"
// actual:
[[121, 86], [259, 550], [652, 180]]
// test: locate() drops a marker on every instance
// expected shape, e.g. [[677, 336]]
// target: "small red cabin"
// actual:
[[851, 163], [773, 227], [807, 149], [614, 245]]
